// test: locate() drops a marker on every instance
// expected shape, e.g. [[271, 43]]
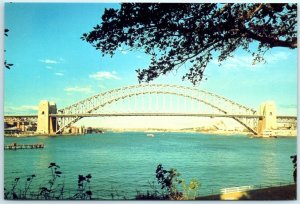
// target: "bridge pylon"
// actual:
[[269, 120], [45, 123]]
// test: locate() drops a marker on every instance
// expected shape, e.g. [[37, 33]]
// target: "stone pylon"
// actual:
[[269, 120], [45, 123]]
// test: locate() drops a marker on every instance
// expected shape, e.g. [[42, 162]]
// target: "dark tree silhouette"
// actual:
[[6, 64], [189, 33], [294, 160]]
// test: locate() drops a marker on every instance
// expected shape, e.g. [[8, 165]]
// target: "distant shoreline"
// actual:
[[37, 135], [210, 132]]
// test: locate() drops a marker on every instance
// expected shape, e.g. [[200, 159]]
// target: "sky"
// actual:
[[52, 63]]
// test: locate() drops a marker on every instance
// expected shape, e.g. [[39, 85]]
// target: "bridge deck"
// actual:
[[153, 114], [149, 114]]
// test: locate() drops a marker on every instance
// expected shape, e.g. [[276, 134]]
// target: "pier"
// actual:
[[15, 146]]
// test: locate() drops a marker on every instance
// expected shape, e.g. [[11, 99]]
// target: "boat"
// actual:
[[268, 134], [150, 135], [265, 134]]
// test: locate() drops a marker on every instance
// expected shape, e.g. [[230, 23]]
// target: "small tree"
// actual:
[[27, 185], [12, 194], [82, 192], [294, 160], [49, 192], [169, 179], [190, 190]]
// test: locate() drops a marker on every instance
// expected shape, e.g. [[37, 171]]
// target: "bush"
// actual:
[[50, 191], [168, 180], [294, 160]]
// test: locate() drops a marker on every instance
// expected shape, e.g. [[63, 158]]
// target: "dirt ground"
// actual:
[[288, 192]]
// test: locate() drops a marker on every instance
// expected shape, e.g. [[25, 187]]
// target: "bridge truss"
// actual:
[[95, 105]]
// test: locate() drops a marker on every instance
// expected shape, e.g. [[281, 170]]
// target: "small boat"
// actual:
[[271, 136], [150, 135], [267, 133]]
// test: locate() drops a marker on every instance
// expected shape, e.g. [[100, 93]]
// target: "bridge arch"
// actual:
[[98, 101]]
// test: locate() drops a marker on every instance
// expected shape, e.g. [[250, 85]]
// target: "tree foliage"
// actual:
[[294, 160], [169, 181], [6, 64], [188, 33], [52, 190]]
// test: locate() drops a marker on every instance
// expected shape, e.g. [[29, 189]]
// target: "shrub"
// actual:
[[168, 180], [294, 160], [50, 191]]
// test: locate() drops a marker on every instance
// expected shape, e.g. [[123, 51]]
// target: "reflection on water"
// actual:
[[269, 160]]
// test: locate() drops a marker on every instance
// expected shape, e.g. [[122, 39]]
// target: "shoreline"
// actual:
[[211, 132], [40, 135]]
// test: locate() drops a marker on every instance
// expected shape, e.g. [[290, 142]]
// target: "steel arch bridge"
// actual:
[[88, 107]]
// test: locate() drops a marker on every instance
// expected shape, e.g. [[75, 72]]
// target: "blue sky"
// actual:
[[52, 63]]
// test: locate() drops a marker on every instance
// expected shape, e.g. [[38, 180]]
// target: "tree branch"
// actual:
[[271, 41]]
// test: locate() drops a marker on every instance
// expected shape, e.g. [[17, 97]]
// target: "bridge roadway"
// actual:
[[150, 114], [153, 114]]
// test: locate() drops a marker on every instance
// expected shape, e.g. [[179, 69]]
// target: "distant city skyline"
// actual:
[[52, 63]]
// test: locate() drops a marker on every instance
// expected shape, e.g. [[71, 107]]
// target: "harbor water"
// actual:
[[123, 163]]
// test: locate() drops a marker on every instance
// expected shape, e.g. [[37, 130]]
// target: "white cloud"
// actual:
[[238, 61], [104, 75], [139, 56], [27, 107], [124, 52], [247, 60], [101, 86], [59, 74], [278, 56], [49, 61], [49, 67], [52, 61], [20, 109], [87, 89]]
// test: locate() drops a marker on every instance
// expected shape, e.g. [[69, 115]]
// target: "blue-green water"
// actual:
[[127, 161]]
